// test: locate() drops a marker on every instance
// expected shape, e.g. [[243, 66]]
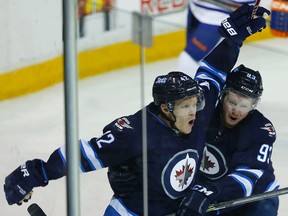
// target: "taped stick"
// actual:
[[249, 199], [255, 9]]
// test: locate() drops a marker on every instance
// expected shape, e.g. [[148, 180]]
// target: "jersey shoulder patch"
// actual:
[[124, 128], [122, 123], [261, 124], [269, 128]]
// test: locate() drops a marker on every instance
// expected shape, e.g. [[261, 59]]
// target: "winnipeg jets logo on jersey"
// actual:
[[269, 127], [178, 174], [213, 163], [207, 162], [183, 175]]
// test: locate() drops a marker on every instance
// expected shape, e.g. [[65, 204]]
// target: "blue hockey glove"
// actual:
[[197, 201], [19, 184], [239, 25], [122, 181]]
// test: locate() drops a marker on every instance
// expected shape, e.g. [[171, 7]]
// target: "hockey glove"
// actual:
[[19, 184], [197, 201], [122, 181], [239, 25]]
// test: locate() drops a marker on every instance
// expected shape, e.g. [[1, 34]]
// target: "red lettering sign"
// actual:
[[160, 7]]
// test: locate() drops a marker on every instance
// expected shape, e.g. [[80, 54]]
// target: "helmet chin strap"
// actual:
[[171, 121]]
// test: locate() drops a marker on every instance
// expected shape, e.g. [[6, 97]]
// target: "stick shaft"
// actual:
[[255, 9], [245, 200]]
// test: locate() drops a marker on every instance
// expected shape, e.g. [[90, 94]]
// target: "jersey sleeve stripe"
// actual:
[[205, 76], [44, 171], [82, 170], [62, 153], [90, 155], [245, 183], [86, 164], [116, 207], [209, 73], [258, 173], [273, 186], [216, 72]]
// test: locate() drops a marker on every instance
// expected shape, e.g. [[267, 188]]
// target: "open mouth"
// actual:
[[232, 118], [191, 122]]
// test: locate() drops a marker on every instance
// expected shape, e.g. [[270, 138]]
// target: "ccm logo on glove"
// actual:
[[202, 189], [21, 190]]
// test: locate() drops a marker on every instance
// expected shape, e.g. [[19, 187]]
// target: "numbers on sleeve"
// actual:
[[264, 153], [106, 138]]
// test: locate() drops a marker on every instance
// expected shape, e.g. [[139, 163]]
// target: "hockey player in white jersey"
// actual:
[[203, 20]]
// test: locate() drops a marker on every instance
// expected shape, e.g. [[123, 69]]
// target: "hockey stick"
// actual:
[[255, 9], [35, 210], [245, 200]]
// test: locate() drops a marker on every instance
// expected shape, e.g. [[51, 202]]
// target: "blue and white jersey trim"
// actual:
[[86, 152], [207, 72], [90, 155], [117, 208], [62, 153], [273, 186], [256, 172], [246, 184], [247, 178], [218, 73], [205, 76]]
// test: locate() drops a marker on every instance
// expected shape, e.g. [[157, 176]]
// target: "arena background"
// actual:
[[32, 121]]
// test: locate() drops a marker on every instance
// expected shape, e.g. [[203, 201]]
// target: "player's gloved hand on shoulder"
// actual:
[[239, 25], [19, 184], [197, 201], [122, 180]]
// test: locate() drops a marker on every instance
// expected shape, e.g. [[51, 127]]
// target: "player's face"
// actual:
[[185, 113], [235, 108]]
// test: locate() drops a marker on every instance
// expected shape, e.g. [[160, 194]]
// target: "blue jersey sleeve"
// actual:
[[103, 151], [223, 57], [55, 167], [213, 70]]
